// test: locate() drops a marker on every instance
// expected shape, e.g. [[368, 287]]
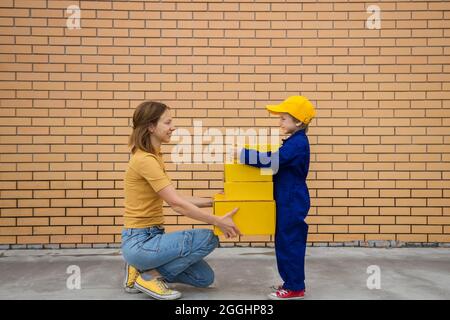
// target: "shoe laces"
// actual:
[[162, 285], [282, 292]]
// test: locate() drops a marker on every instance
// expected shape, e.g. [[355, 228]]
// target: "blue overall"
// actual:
[[292, 202]]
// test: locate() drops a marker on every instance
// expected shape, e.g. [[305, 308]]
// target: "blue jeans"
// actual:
[[177, 256]]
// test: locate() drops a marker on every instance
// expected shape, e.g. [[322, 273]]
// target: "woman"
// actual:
[[153, 256]]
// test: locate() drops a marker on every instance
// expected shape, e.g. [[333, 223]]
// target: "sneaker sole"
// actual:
[[132, 290], [271, 297], [155, 295]]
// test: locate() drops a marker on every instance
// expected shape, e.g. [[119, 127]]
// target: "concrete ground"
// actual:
[[241, 274]]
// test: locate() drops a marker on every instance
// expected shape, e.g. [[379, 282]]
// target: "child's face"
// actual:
[[287, 123]]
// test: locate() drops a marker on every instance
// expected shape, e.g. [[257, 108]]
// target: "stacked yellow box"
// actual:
[[250, 189]]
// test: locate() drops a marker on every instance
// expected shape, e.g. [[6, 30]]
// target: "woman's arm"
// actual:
[[184, 207], [200, 202]]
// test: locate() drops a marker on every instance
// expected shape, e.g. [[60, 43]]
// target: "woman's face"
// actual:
[[287, 123], [164, 128]]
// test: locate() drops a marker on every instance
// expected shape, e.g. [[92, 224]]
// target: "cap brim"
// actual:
[[275, 108]]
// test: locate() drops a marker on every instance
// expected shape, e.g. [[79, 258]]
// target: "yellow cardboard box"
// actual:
[[249, 190], [252, 218], [240, 172]]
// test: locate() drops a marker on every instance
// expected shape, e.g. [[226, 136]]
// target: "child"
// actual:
[[290, 192]]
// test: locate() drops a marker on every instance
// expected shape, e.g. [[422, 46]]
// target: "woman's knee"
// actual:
[[207, 280]]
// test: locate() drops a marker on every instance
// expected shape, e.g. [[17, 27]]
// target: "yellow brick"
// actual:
[[412, 237], [439, 220], [324, 237], [252, 218], [379, 220], [240, 172], [363, 229], [400, 211], [348, 220], [370, 237], [439, 238], [395, 229], [48, 230], [65, 221], [109, 229], [426, 211], [32, 239], [310, 219], [426, 229], [257, 238], [98, 238], [32, 221], [411, 220], [348, 237], [332, 228], [8, 240], [65, 239], [248, 190], [97, 221], [7, 222], [174, 228], [7, 231]]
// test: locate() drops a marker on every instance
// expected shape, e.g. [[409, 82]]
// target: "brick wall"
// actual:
[[380, 143]]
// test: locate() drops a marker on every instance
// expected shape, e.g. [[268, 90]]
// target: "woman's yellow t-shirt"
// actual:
[[145, 176]]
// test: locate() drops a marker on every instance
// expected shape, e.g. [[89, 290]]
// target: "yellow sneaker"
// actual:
[[156, 288], [131, 274]]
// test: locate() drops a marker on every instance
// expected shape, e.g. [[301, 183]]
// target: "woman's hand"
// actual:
[[226, 224]]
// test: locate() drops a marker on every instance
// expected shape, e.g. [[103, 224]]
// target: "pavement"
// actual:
[[241, 274]]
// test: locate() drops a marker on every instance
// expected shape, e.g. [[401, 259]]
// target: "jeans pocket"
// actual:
[[186, 248], [152, 244]]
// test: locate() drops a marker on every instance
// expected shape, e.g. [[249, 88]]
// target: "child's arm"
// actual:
[[280, 158], [254, 158]]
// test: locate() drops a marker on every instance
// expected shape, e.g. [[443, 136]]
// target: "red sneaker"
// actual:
[[280, 286], [286, 294]]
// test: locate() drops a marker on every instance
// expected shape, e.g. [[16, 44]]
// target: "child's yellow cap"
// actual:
[[297, 106]]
